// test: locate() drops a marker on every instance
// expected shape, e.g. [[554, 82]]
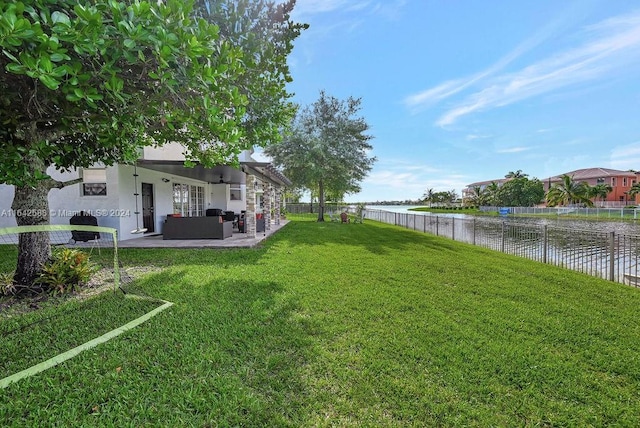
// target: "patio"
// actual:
[[238, 240]]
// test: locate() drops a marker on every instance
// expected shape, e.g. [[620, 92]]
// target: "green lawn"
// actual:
[[333, 324]]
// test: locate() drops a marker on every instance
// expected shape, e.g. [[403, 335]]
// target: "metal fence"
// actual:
[[597, 212], [307, 208], [606, 255]]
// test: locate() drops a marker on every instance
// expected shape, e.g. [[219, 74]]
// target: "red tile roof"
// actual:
[[585, 174]]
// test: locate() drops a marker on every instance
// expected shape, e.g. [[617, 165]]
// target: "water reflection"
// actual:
[[627, 227]]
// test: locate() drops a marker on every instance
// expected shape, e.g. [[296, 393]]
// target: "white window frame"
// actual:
[[188, 199], [94, 182], [235, 191]]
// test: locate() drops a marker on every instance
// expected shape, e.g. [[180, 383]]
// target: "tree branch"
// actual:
[[61, 184]]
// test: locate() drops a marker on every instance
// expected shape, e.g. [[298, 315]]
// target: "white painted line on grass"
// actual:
[[75, 351]]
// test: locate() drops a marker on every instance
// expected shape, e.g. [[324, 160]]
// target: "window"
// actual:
[[94, 182], [624, 181], [188, 200], [235, 194], [613, 182]]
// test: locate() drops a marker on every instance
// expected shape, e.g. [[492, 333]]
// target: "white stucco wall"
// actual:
[[239, 205], [117, 208], [6, 198], [65, 202], [219, 196], [169, 151], [174, 151]]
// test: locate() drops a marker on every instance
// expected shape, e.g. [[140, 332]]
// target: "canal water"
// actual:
[[628, 227]]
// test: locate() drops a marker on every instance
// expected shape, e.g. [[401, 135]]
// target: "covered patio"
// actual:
[[253, 191], [238, 240]]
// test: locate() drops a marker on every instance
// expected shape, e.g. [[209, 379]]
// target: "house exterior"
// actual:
[[131, 197], [620, 182], [468, 193]]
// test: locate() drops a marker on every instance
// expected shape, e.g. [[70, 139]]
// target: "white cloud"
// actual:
[[412, 181], [472, 137], [452, 87], [388, 9], [613, 45], [438, 93], [312, 7], [626, 157], [513, 150]]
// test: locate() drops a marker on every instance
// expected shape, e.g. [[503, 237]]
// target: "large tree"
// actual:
[[93, 81], [327, 148], [520, 192]]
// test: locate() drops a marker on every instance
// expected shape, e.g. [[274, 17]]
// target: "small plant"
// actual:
[[7, 287], [67, 270]]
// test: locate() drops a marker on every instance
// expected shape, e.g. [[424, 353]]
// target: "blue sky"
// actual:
[[459, 91]]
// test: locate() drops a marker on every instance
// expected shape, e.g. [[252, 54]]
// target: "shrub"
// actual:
[[7, 287], [67, 270]]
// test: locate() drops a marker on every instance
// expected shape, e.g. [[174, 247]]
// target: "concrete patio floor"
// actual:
[[238, 240]]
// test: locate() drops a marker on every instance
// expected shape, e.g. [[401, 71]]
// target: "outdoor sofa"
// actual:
[[208, 227]]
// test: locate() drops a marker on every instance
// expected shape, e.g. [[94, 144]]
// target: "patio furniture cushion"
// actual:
[[196, 228]]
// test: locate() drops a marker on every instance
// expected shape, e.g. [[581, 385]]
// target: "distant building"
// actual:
[[620, 182], [469, 192]]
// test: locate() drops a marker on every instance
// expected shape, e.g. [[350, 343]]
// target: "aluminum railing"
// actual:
[[607, 255]]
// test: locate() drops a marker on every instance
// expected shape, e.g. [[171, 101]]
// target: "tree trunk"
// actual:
[[320, 201], [31, 207]]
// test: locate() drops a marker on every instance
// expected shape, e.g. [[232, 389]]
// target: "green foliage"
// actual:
[[265, 33], [443, 197], [95, 81], [520, 192], [327, 149], [331, 325], [7, 287], [516, 191], [67, 270], [634, 190], [568, 192]]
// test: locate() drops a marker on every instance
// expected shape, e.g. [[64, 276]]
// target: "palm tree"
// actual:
[[428, 196], [600, 191], [476, 197], [491, 193], [517, 174], [568, 192], [634, 190]]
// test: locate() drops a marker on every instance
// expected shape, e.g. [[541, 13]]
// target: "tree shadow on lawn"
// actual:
[[378, 238], [167, 257], [249, 338], [228, 353]]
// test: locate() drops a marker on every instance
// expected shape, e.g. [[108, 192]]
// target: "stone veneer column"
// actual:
[[250, 215], [277, 206], [266, 188]]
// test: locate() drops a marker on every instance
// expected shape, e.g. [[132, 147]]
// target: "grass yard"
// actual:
[[333, 324]]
